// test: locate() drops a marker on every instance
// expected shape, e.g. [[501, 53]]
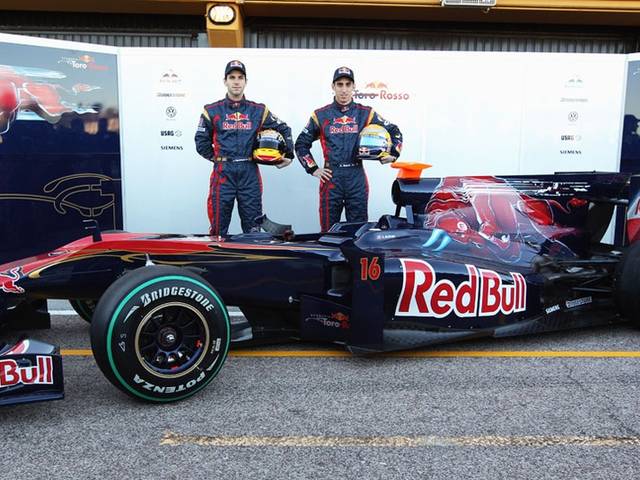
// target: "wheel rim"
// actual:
[[172, 340]]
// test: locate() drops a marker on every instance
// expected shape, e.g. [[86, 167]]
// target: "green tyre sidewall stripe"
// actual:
[[113, 321]]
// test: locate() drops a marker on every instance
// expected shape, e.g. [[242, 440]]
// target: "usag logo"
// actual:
[[170, 133]]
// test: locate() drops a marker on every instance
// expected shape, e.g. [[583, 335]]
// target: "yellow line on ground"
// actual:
[[175, 439], [79, 352], [76, 352]]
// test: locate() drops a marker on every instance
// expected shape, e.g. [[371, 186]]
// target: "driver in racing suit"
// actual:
[[226, 135], [343, 181]]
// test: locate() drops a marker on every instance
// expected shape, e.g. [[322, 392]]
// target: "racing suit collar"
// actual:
[[342, 108], [234, 103]]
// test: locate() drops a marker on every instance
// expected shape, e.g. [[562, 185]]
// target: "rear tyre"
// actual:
[[160, 333], [628, 284], [84, 308]]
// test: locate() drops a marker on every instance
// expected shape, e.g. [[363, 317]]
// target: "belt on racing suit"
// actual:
[[227, 159], [346, 165]]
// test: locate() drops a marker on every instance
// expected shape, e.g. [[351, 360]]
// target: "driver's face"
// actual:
[[235, 83], [343, 89]]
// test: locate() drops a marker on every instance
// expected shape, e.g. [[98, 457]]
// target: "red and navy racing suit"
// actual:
[[226, 135], [338, 127]]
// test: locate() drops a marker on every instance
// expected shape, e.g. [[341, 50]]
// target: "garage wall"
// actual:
[[260, 33], [265, 32], [185, 31]]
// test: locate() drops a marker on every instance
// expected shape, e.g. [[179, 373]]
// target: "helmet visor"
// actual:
[[374, 142], [269, 142]]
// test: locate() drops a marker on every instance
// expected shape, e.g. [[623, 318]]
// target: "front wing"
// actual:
[[30, 371]]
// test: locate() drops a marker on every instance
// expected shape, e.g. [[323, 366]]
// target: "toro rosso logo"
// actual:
[[483, 294], [40, 374], [234, 121], [379, 90], [342, 318], [8, 280], [345, 124]]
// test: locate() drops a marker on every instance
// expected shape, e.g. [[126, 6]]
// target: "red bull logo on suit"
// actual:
[[237, 121], [344, 124]]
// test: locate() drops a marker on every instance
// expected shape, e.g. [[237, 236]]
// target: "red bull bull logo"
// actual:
[[345, 124], [170, 77], [12, 374], [308, 160], [379, 90], [237, 117], [483, 294], [8, 280], [237, 121], [344, 120], [490, 214]]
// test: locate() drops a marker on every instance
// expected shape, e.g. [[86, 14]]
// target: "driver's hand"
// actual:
[[324, 174], [387, 159], [285, 162]]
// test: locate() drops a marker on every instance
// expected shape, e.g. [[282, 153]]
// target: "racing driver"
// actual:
[[226, 135], [343, 181]]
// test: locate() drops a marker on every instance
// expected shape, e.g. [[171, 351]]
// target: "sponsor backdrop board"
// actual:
[[59, 143], [464, 113], [571, 113]]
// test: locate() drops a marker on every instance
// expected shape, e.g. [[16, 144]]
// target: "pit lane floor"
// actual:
[[560, 405]]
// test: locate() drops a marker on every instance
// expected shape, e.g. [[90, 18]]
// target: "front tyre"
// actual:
[[160, 333]]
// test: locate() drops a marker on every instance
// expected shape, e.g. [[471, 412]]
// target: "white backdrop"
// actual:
[[465, 113]]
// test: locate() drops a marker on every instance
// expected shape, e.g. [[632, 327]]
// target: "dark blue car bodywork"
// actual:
[[462, 257]]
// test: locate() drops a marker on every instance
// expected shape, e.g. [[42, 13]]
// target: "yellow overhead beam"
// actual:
[[578, 12], [194, 6], [582, 5]]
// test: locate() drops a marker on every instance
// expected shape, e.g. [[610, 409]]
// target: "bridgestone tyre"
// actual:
[[628, 284], [160, 333], [84, 308]]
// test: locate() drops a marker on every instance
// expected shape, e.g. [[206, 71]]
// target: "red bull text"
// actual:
[[483, 294]]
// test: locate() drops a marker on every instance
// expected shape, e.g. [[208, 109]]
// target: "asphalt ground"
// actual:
[[557, 406]]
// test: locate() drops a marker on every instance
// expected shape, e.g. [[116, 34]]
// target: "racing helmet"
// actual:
[[269, 147], [374, 143]]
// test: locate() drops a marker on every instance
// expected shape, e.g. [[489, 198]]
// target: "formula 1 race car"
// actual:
[[461, 258]]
